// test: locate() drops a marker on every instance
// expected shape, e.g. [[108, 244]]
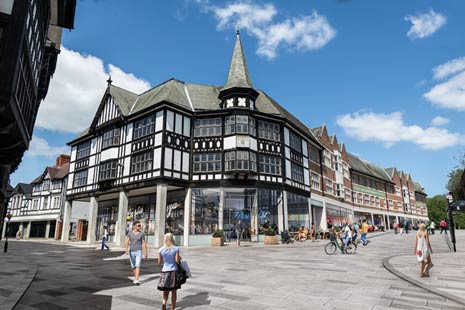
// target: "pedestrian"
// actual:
[[135, 244], [401, 227], [443, 225], [423, 251], [168, 256], [355, 232], [396, 227], [432, 226], [364, 232], [406, 226], [239, 232], [19, 235], [312, 232], [105, 239]]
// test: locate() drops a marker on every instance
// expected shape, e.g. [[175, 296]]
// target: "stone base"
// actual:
[[217, 241]]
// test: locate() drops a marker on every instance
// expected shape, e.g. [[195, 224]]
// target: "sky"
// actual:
[[386, 77]]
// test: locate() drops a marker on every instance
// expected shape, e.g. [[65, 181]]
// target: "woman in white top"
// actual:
[[423, 251]]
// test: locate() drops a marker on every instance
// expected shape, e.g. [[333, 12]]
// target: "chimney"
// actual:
[[62, 159]]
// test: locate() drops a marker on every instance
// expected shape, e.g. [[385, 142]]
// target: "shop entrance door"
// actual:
[[239, 214]]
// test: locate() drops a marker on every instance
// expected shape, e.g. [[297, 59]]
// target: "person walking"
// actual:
[[104, 239], [364, 232], [396, 227], [312, 232], [443, 225], [432, 226], [406, 226], [239, 232], [135, 242], [355, 232], [168, 256], [401, 227], [423, 251]]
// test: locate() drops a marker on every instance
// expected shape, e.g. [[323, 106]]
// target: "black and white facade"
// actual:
[[190, 158]]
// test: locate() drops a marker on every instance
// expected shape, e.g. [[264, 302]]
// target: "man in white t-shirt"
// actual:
[[346, 234]]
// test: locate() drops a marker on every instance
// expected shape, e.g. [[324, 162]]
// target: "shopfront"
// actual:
[[338, 216]]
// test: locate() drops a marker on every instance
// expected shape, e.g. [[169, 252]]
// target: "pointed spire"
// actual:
[[238, 73], [109, 81]]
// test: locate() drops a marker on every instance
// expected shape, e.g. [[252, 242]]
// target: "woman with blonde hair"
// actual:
[[168, 256], [423, 251]]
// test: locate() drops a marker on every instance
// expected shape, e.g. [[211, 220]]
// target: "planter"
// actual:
[[217, 241], [271, 240]]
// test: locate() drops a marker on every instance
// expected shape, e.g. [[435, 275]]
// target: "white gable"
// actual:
[[108, 112]]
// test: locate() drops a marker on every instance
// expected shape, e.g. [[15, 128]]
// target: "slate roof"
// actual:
[[419, 188], [22, 188], [390, 172], [55, 173], [368, 168], [238, 75]]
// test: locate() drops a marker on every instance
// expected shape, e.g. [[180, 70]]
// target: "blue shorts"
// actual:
[[135, 258]]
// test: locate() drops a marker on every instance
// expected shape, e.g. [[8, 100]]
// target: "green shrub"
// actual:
[[219, 233], [269, 231]]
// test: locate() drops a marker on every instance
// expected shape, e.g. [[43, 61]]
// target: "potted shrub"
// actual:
[[270, 236], [218, 238]]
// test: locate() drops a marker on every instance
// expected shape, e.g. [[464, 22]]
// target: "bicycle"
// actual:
[[334, 244]]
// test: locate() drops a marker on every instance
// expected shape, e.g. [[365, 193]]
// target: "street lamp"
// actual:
[[450, 198], [7, 220]]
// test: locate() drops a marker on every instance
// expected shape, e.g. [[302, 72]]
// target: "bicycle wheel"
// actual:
[[349, 249], [330, 248]]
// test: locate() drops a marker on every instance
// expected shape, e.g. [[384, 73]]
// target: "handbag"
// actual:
[[185, 266], [419, 253], [181, 275]]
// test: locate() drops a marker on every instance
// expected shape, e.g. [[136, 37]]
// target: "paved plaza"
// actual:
[[254, 276]]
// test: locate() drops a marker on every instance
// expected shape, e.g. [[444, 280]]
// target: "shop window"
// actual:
[[80, 178], [298, 212], [144, 127], [142, 162], [83, 150], [205, 206], [207, 162], [269, 131], [142, 208], [175, 213], [110, 138], [108, 170], [268, 205], [207, 127]]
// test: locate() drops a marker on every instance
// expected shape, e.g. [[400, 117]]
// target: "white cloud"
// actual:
[[449, 68], [449, 94], [439, 121], [40, 147], [304, 33], [76, 90], [425, 24], [390, 129]]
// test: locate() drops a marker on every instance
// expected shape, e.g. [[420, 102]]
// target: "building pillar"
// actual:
[[160, 214], [187, 216], [285, 212], [221, 210], [92, 220], [21, 228], [388, 222], [310, 214], [66, 220], [120, 229], [28, 230], [47, 229], [281, 212], [372, 219], [324, 218]]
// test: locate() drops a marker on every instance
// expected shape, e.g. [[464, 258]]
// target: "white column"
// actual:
[[120, 229], [388, 225], [310, 214], [324, 218], [160, 214], [47, 229], [372, 219], [92, 220], [285, 212], [21, 228], [28, 230], [281, 212], [187, 215], [221, 209], [66, 220]]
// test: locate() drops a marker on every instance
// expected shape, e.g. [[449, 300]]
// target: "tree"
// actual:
[[453, 185], [437, 208]]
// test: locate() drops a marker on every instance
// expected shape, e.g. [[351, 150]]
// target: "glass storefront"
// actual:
[[338, 216], [298, 211], [175, 212], [142, 208], [205, 209], [107, 215], [238, 211], [269, 201]]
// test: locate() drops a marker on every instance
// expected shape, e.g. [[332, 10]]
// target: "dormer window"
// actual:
[[230, 103]]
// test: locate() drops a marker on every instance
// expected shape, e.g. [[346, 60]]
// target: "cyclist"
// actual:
[[346, 235]]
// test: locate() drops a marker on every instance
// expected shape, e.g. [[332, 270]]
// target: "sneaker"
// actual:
[[136, 282]]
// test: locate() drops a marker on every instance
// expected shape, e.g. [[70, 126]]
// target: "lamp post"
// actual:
[[450, 198], [7, 220]]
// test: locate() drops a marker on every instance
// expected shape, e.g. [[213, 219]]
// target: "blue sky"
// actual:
[[388, 80]]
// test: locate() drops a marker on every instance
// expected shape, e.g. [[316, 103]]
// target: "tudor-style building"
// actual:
[[190, 158], [37, 207]]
